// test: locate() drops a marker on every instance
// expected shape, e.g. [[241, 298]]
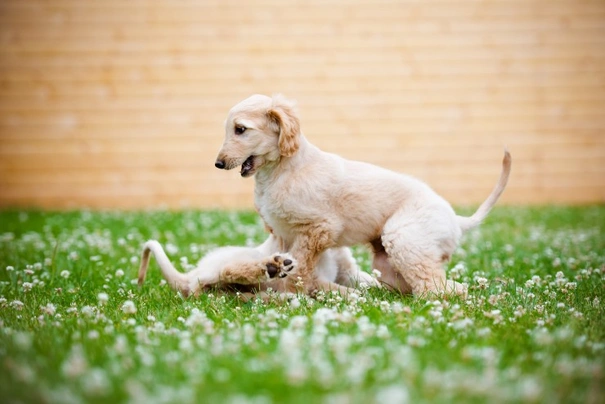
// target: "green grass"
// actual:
[[532, 329]]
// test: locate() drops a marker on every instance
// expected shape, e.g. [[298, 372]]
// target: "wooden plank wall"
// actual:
[[120, 103]]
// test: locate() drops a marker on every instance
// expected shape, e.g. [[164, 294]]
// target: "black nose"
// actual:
[[219, 164]]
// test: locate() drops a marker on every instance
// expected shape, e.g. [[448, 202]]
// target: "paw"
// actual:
[[280, 265], [448, 289], [365, 280]]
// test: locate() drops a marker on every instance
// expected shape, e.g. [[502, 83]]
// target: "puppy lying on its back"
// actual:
[[252, 269]]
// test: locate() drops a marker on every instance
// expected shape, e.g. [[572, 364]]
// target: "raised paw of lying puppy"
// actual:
[[252, 272]]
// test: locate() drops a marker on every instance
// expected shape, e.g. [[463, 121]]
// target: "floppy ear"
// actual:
[[283, 114]]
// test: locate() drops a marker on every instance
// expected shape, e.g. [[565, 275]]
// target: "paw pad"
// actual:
[[280, 265]]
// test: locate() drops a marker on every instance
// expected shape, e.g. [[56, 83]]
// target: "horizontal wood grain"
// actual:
[[120, 104]]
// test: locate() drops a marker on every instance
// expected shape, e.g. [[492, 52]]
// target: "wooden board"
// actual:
[[120, 104]]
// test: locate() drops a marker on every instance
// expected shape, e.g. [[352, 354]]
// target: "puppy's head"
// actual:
[[258, 131]]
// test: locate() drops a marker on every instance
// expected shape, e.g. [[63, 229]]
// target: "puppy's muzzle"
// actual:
[[220, 164]]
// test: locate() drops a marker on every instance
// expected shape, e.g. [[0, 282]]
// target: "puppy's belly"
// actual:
[[353, 235]]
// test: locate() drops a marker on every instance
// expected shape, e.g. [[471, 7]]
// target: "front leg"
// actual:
[[309, 244], [254, 272]]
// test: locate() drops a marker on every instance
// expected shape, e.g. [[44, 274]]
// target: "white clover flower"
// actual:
[[531, 390], [495, 315], [462, 324], [49, 309], [294, 303], [571, 285], [119, 273], [27, 286], [185, 345], [323, 315], [171, 249], [484, 332], [416, 341], [158, 327], [383, 332], [75, 364], [299, 283], [121, 344], [519, 311], [93, 334], [199, 318], [397, 307], [298, 322], [395, 394], [376, 273], [96, 383], [103, 298], [65, 274], [23, 340], [129, 307], [87, 311], [10, 268], [542, 336], [436, 313], [482, 282]]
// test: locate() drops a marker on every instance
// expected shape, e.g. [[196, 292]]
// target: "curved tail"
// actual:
[[467, 223], [175, 279]]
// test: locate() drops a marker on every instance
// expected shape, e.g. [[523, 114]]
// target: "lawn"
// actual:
[[74, 326]]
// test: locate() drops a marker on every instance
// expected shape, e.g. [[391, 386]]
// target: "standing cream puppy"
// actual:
[[315, 200]]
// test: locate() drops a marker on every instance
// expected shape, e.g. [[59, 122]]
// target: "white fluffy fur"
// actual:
[[248, 266], [315, 200]]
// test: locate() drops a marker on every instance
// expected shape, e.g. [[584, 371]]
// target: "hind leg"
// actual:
[[418, 246], [388, 275]]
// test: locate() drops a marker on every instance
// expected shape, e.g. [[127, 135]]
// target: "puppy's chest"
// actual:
[[275, 219], [275, 215]]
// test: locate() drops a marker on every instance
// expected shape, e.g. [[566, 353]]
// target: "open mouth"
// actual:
[[247, 167]]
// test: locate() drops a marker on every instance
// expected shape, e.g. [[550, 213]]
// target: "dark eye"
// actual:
[[239, 130]]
